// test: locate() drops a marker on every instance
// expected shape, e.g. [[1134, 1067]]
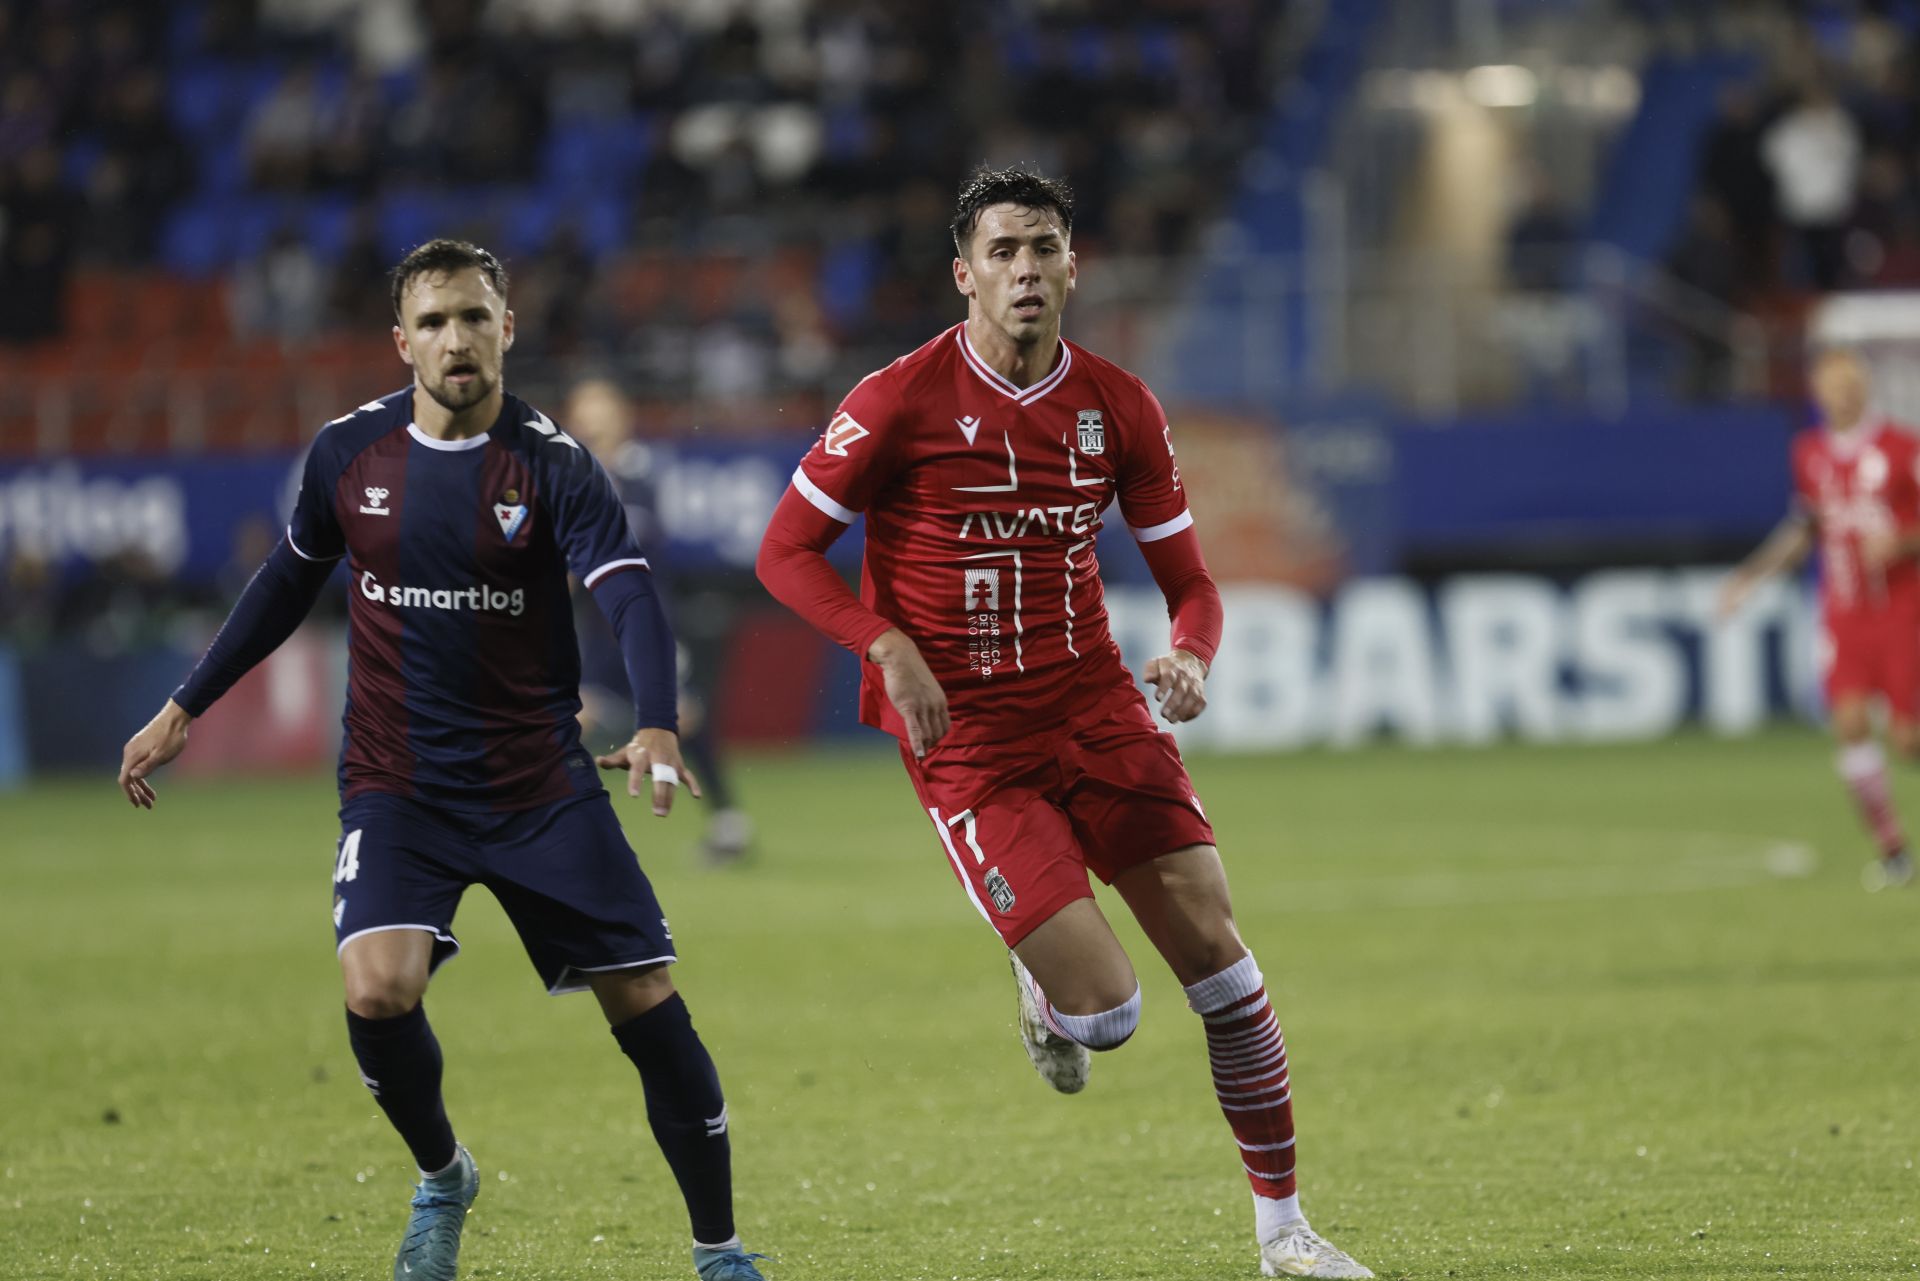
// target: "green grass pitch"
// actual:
[[1574, 1012]]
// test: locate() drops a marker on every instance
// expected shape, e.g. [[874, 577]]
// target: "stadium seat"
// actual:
[[597, 154]]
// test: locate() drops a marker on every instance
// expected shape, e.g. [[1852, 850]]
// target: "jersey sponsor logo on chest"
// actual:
[[1029, 521]]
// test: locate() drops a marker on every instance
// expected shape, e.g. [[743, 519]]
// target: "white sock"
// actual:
[[1274, 1217], [446, 1170], [1105, 1030], [731, 1243]]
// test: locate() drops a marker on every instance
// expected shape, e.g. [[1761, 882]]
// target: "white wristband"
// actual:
[[666, 774]]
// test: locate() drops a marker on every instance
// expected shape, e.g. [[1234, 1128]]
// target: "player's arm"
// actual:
[[1154, 503], [1193, 607], [280, 594], [1786, 548], [793, 566], [591, 527], [628, 599]]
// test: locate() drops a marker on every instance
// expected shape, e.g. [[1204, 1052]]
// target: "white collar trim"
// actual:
[[450, 446], [994, 379]]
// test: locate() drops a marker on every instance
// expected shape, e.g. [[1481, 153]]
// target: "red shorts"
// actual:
[[1877, 655], [1023, 822]]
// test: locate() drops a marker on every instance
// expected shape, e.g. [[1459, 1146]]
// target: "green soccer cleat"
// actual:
[[431, 1249], [730, 1264]]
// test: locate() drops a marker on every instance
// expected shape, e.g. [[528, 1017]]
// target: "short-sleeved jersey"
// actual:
[[463, 671], [982, 500], [1853, 484]]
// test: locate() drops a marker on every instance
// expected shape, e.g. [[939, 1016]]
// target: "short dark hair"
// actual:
[[438, 257], [987, 187]]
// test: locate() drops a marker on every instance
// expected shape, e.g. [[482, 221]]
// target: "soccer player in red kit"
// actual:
[[983, 463], [1856, 482]]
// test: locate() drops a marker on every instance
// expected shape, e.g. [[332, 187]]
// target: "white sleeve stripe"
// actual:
[[819, 498], [302, 555], [595, 575], [1167, 529]]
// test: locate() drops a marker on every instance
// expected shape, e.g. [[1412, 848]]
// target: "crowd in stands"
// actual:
[[733, 199], [1809, 180]]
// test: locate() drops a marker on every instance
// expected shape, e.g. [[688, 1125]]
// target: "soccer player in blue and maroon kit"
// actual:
[[460, 511]]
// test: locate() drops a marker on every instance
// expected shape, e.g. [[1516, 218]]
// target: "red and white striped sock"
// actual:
[[1249, 1058], [1864, 769]]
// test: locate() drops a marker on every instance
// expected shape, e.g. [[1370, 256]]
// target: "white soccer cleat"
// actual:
[[1302, 1252], [1887, 873], [1061, 1063]]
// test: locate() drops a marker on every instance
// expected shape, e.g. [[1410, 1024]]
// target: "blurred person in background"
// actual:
[[982, 462], [461, 510], [1813, 152], [1856, 483], [600, 415]]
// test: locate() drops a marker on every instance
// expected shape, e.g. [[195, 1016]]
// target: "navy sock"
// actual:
[[400, 1062], [687, 1112]]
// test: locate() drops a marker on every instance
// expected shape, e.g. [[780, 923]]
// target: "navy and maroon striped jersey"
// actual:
[[463, 669]]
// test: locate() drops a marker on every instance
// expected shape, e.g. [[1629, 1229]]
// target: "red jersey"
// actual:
[[982, 502], [1853, 484]]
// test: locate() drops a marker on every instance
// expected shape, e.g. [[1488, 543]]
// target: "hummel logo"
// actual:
[[376, 496], [969, 427]]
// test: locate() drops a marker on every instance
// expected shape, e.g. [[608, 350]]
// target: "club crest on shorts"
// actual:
[[998, 890], [1093, 432], [511, 513]]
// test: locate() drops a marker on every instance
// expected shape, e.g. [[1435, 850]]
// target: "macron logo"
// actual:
[[969, 427], [375, 497]]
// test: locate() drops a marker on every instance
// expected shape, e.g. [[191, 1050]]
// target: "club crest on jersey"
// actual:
[[998, 890], [376, 496], [1093, 432], [841, 432], [511, 513], [983, 590]]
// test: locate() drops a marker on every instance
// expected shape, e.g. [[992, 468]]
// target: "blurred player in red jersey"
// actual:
[[1856, 482], [983, 462]]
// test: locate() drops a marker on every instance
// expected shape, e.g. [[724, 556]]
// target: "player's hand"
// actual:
[[1879, 548], [1180, 685], [162, 740], [652, 759], [912, 690]]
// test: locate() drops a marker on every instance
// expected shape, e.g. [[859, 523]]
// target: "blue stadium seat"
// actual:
[[327, 222], [848, 272], [597, 153], [82, 153]]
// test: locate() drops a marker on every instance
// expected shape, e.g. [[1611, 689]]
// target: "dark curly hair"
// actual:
[[437, 257], [986, 187]]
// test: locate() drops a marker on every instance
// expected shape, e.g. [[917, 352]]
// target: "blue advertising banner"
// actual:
[[1308, 505]]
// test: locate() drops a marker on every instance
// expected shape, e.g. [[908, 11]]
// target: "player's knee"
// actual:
[[379, 994], [1107, 1029]]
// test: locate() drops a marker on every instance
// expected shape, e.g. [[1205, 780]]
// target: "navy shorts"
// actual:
[[564, 873]]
